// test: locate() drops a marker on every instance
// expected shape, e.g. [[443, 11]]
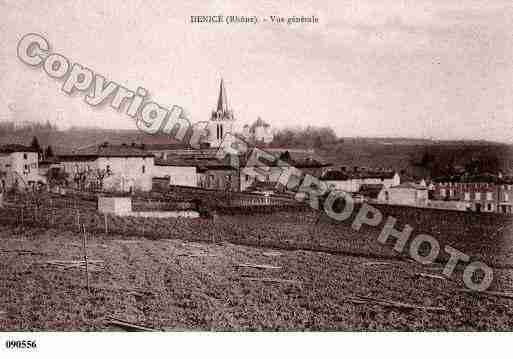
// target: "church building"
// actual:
[[221, 120]]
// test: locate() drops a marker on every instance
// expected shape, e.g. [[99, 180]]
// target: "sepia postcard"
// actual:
[[254, 166]]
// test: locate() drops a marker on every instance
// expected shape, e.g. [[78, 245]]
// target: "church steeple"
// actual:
[[221, 119], [222, 102], [222, 112]]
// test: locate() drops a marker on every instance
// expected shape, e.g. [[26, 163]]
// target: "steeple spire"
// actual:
[[222, 102]]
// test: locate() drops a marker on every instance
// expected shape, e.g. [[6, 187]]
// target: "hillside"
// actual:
[[416, 158]]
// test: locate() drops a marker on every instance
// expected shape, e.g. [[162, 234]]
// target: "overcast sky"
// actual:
[[439, 68]]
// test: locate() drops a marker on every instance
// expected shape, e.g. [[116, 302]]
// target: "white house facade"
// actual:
[[112, 168], [353, 182], [19, 166]]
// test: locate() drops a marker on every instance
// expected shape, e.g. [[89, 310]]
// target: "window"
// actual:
[[489, 196], [490, 208], [24, 156], [143, 169], [219, 131], [506, 197], [478, 196], [451, 192], [108, 169], [442, 192], [467, 196]]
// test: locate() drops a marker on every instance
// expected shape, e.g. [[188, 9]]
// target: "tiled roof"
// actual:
[[202, 163], [262, 186], [371, 190], [167, 146], [108, 151], [188, 161], [11, 148], [297, 158], [335, 175], [410, 185]]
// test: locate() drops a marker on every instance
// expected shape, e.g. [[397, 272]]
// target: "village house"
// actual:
[[181, 164], [178, 173], [109, 167], [405, 194], [352, 181], [478, 196], [19, 166], [218, 176], [304, 161], [258, 133]]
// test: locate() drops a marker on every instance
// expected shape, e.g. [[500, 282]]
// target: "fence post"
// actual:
[[51, 213], [85, 257]]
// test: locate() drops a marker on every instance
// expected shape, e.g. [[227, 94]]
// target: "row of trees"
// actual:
[[43, 153], [455, 165], [309, 137], [26, 127], [84, 179]]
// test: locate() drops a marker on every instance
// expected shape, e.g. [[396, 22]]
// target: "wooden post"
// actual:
[[51, 212], [85, 257], [105, 220]]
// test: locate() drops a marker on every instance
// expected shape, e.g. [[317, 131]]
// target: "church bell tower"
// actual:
[[221, 119]]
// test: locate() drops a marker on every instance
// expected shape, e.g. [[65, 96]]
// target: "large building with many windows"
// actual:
[[479, 196]]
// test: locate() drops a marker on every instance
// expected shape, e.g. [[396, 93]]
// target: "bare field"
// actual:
[[172, 284], [262, 271]]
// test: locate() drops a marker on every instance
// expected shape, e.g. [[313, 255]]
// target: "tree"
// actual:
[[99, 175], [56, 176], [311, 136], [49, 152], [80, 178], [35, 144]]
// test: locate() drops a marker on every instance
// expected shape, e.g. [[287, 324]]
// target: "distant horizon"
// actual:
[[394, 138]]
